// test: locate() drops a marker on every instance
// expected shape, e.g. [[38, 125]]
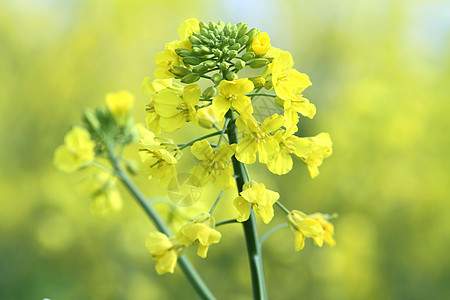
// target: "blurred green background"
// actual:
[[380, 73]]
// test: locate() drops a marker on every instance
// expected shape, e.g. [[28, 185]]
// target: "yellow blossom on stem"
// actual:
[[261, 43], [77, 151], [232, 95], [258, 138], [206, 116], [327, 227], [157, 161], [175, 110], [289, 144], [321, 149], [187, 28], [151, 88], [163, 251], [215, 165], [259, 198], [286, 80], [303, 227], [120, 105], [201, 230]]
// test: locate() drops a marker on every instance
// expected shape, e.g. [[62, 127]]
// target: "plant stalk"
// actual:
[[250, 231]]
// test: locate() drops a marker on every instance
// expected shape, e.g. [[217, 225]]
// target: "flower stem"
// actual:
[[226, 222], [261, 94], [184, 263], [251, 234], [199, 139]]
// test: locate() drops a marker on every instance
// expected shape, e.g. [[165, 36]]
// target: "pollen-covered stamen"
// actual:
[[288, 145], [232, 97], [150, 107]]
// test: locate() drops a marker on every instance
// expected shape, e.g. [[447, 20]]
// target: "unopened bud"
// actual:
[[236, 46], [203, 25], [243, 30], [252, 33], [191, 60], [179, 71], [216, 78], [217, 53], [210, 63], [224, 66], [194, 40], [279, 102], [204, 31], [258, 63], [212, 25], [243, 40], [258, 81], [209, 92], [184, 52], [227, 29], [205, 49], [197, 50], [248, 56], [240, 64], [268, 85], [232, 76], [232, 54], [200, 68], [91, 119], [190, 78]]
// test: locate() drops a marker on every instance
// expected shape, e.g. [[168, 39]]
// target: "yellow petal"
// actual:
[[173, 123], [272, 123], [191, 94], [242, 208], [246, 150], [243, 105], [167, 262], [188, 27], [267, 149], [220, 106], [202, 150], [281, 164]]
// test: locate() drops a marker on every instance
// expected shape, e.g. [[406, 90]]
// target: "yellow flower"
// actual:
[[157, 161], [102, 189], [77, 151], [214, 165], [168, 58], [261, 43], [259, 198], [200, 230], [258, 138], [151, 88], [289, 144], [175, 110], [206, 116], [287, 81], [321, 149], [327, 227], [232, 95], [163, 251], [303, 227], [120, 105], [187, 28]]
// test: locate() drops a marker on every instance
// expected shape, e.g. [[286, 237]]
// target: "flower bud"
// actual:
[[258, 81], [190, 78], [194, 40], [243, 40], [184, 52], [217, 53], [224, 66], [204, 31], [248, 56], [252, 33], [227, 29], [210, 63], [203, 25], [209, 92], [197, 50], [240, 64], [236, 46], [279, 102], [268, 85], [205, 49], [232, 76], [243, 30], [191, 60], [200, 68], [232, 54], [91, 119], [216, 78], [258, 63], [212, 25], [179, 71]]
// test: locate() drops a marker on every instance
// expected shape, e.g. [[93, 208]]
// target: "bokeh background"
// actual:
[[380, 73]]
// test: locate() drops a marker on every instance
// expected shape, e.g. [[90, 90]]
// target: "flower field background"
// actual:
[[380, 73]]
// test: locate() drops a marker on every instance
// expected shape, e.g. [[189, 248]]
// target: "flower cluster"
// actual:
[[215, 53]]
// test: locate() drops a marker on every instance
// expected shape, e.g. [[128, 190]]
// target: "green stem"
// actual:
[[270, 232], [222, 132], [283, 208], [261, 94], [251, 234], [226, 222], [184, 263], [199, 139], [215, 202]]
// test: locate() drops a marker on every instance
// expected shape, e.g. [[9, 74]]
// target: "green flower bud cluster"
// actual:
[[217, 47]]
